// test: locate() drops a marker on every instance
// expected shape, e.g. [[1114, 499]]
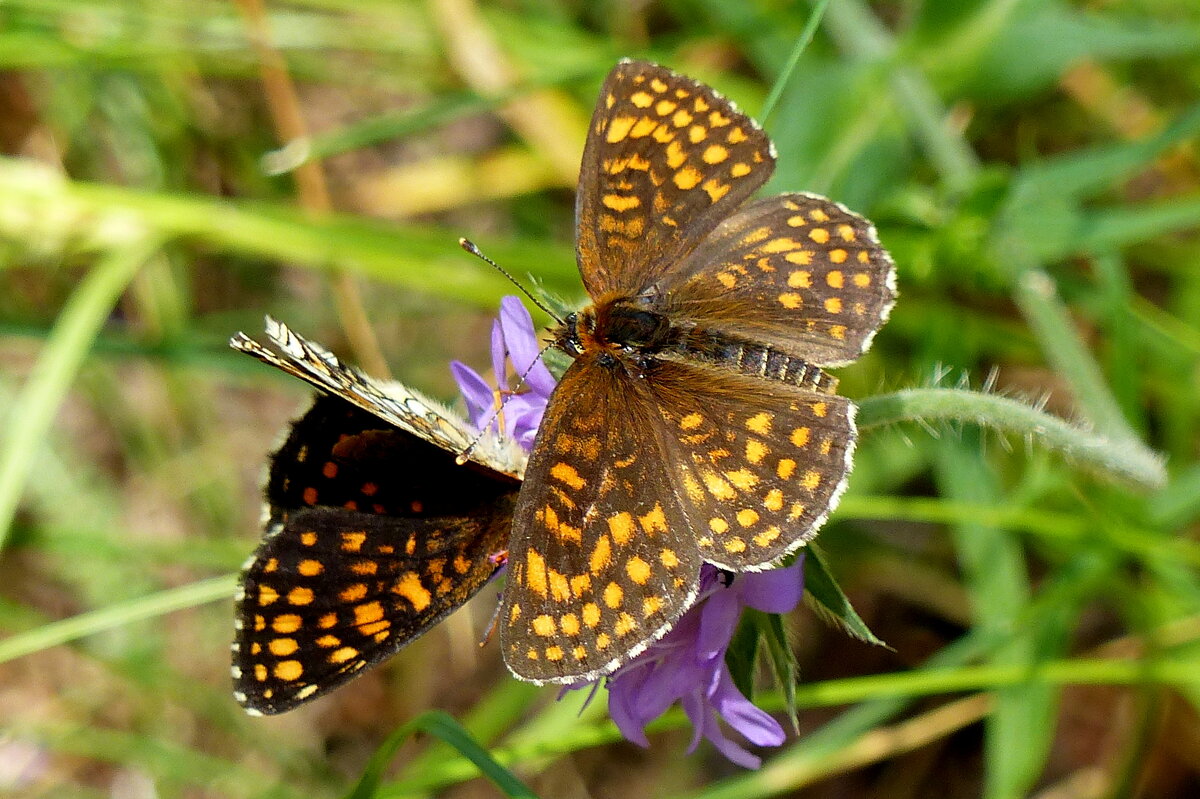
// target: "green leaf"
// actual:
[[443, 726], [782, 659], [1038, 44], [742, 653], [1084, 173], [828, 600], [1122, 227]]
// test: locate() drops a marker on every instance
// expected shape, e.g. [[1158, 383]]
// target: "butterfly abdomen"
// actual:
[[629, 327], [751, 358]]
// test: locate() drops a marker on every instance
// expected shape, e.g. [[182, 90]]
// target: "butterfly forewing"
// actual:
[[340, 456], [601, 560], [374, 535], [666, 160], [797, 271]]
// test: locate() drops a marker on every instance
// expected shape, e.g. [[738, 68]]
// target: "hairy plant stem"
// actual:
[[1112, 456]]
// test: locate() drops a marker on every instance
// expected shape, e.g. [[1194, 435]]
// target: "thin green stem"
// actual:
[[849, 691], [1103, 453], [118, 615], [802, 42], [80, 321], [1046, 525], [931, 682]]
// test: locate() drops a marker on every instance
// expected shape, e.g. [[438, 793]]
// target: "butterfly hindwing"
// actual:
[[761, 463], [796, 271]]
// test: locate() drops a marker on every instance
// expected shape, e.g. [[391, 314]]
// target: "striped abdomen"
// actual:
[[746, 357]]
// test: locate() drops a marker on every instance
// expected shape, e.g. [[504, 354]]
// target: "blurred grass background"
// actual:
[[1031, 164]]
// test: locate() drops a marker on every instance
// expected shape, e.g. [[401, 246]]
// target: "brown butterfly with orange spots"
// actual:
[[697, 422], [374, 531]]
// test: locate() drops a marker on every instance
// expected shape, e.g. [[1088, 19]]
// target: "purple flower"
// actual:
[[513, 341], [687, 665]]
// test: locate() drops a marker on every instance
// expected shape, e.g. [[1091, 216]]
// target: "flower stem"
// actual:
[[1110, 455]]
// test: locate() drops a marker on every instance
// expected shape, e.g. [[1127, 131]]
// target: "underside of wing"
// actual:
[[796, 271], [602, 560], [394, 403]]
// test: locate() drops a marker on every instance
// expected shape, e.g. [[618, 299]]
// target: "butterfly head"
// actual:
[[620, 327]]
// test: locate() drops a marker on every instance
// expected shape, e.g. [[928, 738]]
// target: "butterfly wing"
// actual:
[[601, 559], [762, 464], [796, 271], [374, 535], [395, 404], [666, 160], [634, 481]]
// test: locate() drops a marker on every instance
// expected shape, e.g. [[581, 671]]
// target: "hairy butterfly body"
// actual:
[[696, 423]]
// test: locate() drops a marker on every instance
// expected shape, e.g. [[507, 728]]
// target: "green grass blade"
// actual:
[[443, 726], [30, 418], [422, 258], [785, 74], [119, 615], [1036, 295]]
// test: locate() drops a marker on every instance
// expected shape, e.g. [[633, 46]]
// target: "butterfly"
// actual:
[[696, 422], [374, 531]]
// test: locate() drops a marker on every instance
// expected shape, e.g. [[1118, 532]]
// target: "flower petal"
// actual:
[[731, 750], [774, 591], [623, 709], [699, 714], [718, 620], [705, 722], [755, 724], [476, 393], [522, 417], [524, 349]]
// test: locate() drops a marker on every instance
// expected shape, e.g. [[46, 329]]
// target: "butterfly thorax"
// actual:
[[630, 333]]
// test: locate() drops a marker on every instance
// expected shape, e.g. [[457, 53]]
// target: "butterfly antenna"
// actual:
[[501, 395], [470, 247], [497, 418], [497, 411]]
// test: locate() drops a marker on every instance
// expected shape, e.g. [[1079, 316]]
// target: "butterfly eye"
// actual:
[[568, 336], [637, 329]]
